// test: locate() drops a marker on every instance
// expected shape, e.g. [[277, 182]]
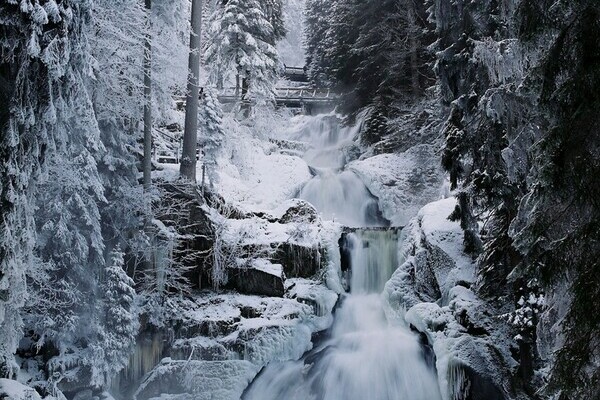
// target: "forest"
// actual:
[[299, 199]]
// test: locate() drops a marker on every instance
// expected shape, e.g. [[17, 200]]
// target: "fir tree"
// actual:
[[240, 42]]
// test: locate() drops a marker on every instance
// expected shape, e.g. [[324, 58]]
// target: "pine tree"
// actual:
[[317, 17], [273, 10], [240, 42]]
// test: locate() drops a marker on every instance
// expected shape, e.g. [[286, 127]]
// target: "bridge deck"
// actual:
[[289, 96]]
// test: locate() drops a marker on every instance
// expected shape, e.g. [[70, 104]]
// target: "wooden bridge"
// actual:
[[306, 98]]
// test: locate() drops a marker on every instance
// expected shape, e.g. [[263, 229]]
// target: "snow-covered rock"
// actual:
[[433, 259], [431, 292], [197, 380], [258, 276], [403, 182], [473, 358], [13, 390]]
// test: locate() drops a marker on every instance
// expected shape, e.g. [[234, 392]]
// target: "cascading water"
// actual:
[[337, 193], [341, 196], [365, 357]]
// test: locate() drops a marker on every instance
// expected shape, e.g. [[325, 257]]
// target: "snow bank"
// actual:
[[403, 182], [252, 172], [13, 390]]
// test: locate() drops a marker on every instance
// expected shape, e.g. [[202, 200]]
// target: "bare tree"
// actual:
[[190, 135]]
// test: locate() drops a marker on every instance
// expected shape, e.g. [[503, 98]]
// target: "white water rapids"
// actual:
[[364, 356]]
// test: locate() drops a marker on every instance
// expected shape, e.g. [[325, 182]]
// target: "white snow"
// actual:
[[259, 231], [204, 380], [403, 182], [267, 266], [13, 390], [448, 236]]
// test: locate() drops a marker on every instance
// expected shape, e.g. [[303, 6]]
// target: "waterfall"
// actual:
[[373, 257], [342, 196], [365, 358], [338, 194]]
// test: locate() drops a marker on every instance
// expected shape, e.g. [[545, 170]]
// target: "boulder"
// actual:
[[300, 211], [259, 277], [298, 261]]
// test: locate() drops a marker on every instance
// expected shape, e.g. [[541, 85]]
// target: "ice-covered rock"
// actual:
[[472, 351], [403, 182], [431, 291], [432, 258]]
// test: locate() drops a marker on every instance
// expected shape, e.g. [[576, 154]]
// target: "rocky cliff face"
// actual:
[[433, 290], [515, 79]]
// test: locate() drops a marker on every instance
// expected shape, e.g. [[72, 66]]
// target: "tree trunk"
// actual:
[[147, 167], [190, 135], [245, 99]]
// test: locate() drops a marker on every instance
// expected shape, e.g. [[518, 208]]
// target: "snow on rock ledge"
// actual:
[[433, 258], [403, 182]]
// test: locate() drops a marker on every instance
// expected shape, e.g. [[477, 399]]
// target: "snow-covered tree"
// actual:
[[273, 10], [317, 15], [211, 133], [121, 318], [44, 59], [190, 135], [241, 42]]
